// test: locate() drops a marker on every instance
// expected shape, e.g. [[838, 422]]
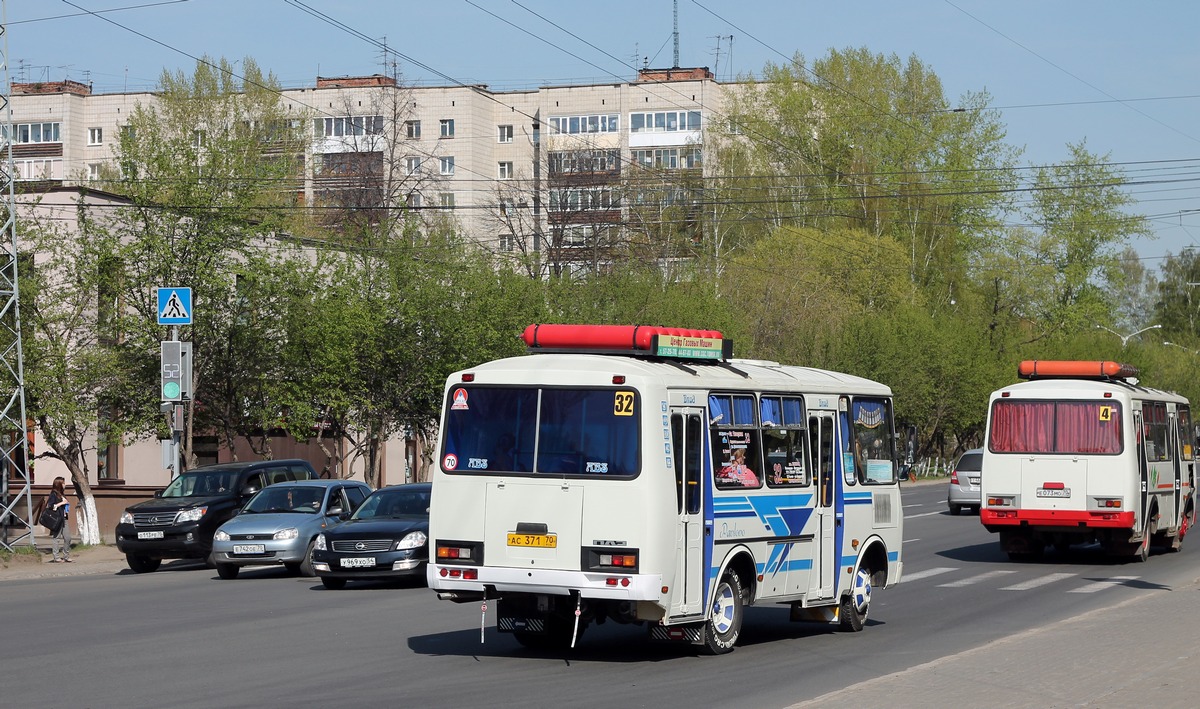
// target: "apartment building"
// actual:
[[521, 171]]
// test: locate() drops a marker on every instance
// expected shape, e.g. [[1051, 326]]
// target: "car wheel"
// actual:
[[955, 509], [306, 567], [724, 622], [852, 614], [227, 571], [142, 564], [333, 584]]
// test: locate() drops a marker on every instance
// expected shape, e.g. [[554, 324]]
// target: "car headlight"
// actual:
[[320, 542], [221, 536], [412, 540], [191, 515], [289, 533], [127, 518]]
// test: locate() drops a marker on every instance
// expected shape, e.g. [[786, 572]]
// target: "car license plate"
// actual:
[[1064, 492], [357, 561], [973, 481], [150, 535], [546, 541], [249, 548]]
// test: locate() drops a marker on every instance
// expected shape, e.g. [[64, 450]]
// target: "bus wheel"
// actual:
[[725, 620], [853, 612]]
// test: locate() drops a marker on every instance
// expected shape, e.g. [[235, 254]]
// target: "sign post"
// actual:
[[175, 372]]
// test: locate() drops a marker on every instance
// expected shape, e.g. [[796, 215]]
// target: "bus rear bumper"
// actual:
[[996, 519], [551, 582]]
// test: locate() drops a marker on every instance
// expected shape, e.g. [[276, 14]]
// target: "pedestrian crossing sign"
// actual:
[[174, 306]]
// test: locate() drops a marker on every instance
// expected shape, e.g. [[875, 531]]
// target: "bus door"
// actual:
[[687, 446], [821, 438], [1175, 446], [1143, 472]]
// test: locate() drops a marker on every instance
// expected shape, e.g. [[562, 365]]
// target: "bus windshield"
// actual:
[[542, 431], [1040, 426]]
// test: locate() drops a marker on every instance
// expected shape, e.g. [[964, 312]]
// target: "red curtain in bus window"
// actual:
[[1023, 427], [1088, 427]]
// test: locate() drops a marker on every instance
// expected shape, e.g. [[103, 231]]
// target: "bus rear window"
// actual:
[[1055, 427], [577, 432]]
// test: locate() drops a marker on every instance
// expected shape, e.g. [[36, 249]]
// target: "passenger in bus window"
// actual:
[[738, 472]]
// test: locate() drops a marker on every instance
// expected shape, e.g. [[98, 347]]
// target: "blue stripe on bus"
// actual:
[[893, 556]]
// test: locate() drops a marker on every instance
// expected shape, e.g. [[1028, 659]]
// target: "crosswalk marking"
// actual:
[[1039, 581], [1102, 584], [977, 578], [917, 575]]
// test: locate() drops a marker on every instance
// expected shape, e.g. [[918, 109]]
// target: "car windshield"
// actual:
[[286, 498], [201, 483], [394, 504]]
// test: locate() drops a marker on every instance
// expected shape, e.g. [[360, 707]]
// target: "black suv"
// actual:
[[180, 521]]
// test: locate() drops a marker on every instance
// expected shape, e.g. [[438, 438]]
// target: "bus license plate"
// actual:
[[1064, 492], [546, 541], [249, 549]]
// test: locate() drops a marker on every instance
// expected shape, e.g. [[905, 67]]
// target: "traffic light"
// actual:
[[171, 371]]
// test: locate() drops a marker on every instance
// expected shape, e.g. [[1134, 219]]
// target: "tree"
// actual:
[[81, 378], [211, 165]]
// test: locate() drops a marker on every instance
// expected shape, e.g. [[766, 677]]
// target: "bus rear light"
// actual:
[[601, 559], [470, 574], [1053, 486], [468, 377], [470, 553], [618, 379], [1005, 514], [610, 582], [1109, 503], [1000, 502]]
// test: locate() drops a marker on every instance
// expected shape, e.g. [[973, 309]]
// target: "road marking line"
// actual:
[[1102, 584], [910, 541], [918, 504], [976, 579], [926, 514], [927, 573], [1040, 581]]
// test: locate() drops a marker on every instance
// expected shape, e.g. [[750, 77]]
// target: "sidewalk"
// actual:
[[1139, 653], [100, 559]]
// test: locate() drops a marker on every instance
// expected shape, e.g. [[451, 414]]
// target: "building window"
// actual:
[[412, 130], [507, 205], [34, 132], [447, 200], [596, 123], [93, 171], [414, 200], [664, 121], [95, 136], [507, 242], [447, 127], [583, 200], [577, 162], [448, 165], [347, 126], [412, 165], [506, 171], [506, 134]]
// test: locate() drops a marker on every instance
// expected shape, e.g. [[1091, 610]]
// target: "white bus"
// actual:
[[642, 475], [1082, 453]]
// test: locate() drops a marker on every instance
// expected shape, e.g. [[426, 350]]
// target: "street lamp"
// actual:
[[1185, 349], [1126, 338]]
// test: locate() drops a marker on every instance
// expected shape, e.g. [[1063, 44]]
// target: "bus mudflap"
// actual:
[[691, 633]]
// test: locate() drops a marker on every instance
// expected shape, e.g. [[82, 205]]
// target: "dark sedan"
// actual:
[[386, 537]]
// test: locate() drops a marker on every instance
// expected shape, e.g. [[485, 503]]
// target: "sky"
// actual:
[[1123, 76]]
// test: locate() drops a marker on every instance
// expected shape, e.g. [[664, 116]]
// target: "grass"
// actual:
[[27, 550]]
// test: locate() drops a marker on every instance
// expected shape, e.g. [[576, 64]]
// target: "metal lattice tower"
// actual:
[[16, 500]]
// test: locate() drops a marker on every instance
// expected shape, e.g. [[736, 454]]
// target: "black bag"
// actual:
[[51, 519]]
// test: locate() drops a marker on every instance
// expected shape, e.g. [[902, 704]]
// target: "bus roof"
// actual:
[[595, 370], [1083, 389]]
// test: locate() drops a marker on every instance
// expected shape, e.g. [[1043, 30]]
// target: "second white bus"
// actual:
[[1083, 453], [641, 475]]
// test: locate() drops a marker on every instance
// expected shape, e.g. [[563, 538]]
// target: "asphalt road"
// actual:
[[181, 637]]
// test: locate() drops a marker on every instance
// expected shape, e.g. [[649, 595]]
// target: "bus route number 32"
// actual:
[[623, 403]]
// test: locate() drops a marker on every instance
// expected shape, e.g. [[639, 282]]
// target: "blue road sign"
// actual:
[[174, 306]]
